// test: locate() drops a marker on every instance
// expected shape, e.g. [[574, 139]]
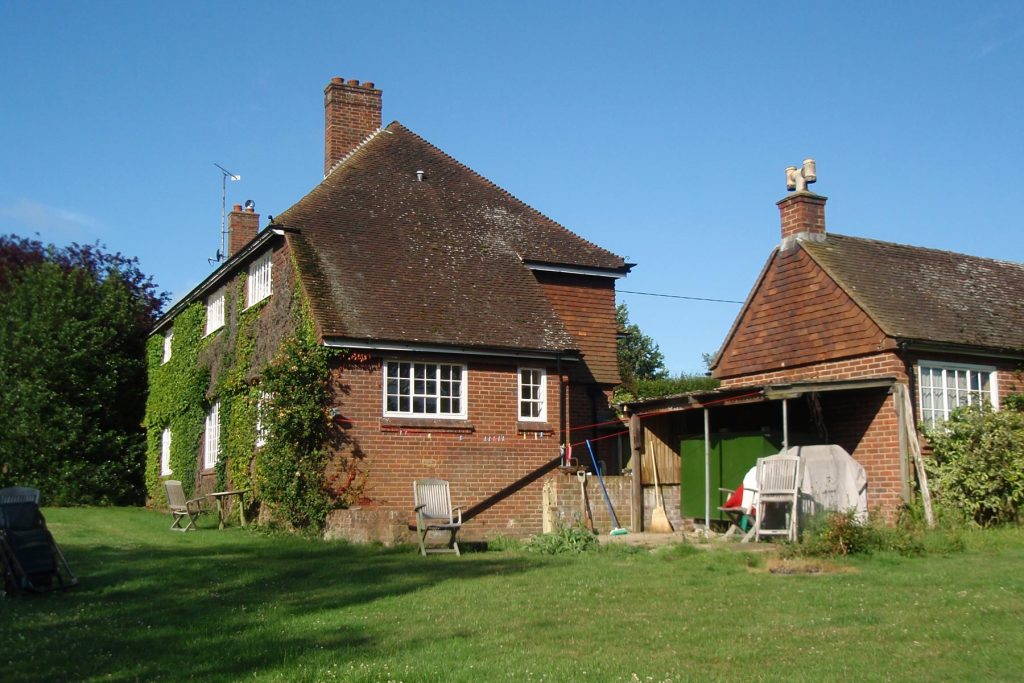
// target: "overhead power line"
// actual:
[[678, 296]]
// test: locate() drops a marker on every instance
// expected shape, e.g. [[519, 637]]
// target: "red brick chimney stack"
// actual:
[[802, 213], [352, 111], [243, 224]]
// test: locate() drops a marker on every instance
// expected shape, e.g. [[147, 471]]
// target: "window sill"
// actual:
[[437, 424], [529, 426]]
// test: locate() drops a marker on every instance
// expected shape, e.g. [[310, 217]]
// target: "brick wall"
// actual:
[[491, 459]]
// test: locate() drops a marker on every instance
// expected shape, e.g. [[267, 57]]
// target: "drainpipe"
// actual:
[[561, 402]]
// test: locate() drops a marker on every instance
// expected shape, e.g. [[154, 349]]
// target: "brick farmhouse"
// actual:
[[477, 333]]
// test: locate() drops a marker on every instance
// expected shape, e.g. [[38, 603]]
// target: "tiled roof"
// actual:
[[386, 257], [922, 294]]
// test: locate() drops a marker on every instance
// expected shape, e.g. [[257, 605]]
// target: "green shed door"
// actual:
[[732, 456]]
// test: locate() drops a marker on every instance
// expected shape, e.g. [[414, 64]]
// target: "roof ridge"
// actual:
[[490, 183], [352, 151], [920, 248]]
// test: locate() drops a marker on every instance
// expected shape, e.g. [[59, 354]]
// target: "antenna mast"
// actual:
[[225, 175]]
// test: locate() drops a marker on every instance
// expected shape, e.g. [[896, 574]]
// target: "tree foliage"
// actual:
[[639, 356], [977, 463], [73, 325]]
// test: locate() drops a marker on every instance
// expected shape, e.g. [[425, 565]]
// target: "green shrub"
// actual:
[[836, 534], [565, 539], [977, 463]]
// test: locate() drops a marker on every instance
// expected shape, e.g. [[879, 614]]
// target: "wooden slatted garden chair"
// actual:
[[778, 479], [180, 507], [433, 506]]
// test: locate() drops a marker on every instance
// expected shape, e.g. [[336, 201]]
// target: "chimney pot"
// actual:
[[236, 207], [353, 81], [338, 79]]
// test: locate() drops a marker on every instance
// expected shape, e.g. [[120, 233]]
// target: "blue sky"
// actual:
[[659, 130]]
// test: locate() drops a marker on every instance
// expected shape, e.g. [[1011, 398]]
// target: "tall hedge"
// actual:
[[73, 325]]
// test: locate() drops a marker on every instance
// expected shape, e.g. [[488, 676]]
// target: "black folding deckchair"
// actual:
[[30, 559]]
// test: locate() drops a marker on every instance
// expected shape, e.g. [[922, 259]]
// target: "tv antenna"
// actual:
[[225, 176]]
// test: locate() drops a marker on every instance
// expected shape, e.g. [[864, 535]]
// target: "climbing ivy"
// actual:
[[291, 467], [289, 392], [177, 400]]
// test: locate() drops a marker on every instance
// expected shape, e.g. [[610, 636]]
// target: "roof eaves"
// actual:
[[499, 352], [214, 278]]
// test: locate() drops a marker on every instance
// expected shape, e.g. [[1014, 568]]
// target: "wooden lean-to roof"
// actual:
[[386, 257]]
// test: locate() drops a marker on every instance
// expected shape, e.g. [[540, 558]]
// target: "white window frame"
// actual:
[[952, 396], [211, 440], [259, 284], [262, 404], [165, 452], [537, 387], [168, 340], [215, 311], [424, 391]]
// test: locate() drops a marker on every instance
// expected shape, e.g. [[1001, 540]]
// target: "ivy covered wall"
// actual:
[[265, 362]]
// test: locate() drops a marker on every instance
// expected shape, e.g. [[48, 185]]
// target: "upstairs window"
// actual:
[[168, 338], [532, 394], [211, 442], [944, 387], [259, 284], [425, 390], [215, 311], [165, 453]]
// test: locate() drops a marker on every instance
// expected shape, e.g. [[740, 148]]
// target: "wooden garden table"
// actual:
[[220, 497]]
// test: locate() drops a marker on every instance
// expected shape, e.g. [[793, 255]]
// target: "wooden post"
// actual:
[[707, 472], [636, 442], [907, 424]]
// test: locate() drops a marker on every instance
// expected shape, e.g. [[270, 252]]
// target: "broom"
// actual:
[[616, 530], [659, 520]]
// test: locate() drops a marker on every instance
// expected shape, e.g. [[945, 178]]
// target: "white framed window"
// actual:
[[168, 339], [211, 442], [533, 394], [165, 452], [944, 387], [258, 286], [215, 311], [262, 405], [424, 389]]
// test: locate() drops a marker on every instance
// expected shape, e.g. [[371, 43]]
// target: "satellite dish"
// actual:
[[250, 204]]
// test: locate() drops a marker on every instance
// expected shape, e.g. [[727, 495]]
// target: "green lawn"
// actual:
[[233, 605]]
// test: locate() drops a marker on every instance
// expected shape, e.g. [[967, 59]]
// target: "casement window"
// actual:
[[425, 389], [168, 339], [211, 442], [258, 286], [944, 387], [215, 311], [165, 452], [262, 405], [532, 394]]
